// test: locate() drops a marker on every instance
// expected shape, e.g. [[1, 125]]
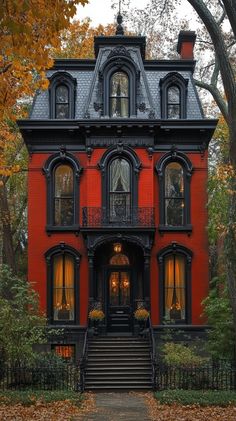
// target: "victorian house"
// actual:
[[117, 190]]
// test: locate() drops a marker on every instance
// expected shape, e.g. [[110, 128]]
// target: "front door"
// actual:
[[119, 300]]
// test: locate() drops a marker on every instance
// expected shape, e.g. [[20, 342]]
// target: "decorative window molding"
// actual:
[[174, 170], [173, 90], [63, 263], [62, 203], [62, 92], [119, 62], [120, 167], [175, 284]]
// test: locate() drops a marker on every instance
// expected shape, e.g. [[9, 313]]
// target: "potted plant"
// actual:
[[141, 315], [96, 316]]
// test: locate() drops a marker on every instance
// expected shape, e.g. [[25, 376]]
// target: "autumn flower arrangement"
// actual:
[[141, 314], [96, 314]]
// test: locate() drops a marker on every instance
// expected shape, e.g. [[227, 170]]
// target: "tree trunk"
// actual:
[[8, 255]]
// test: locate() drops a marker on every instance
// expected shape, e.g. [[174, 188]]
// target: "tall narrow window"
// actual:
[[63, 195], [173, 96], [173, 102], [120, 191], [119, 95], [63, 287], [174, 195], [62, 102], [175, 288]]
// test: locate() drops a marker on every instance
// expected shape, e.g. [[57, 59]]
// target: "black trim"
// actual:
[[128, 41], [183, 160], [57, 79], [62, 249], [187, 134], [176, 248], [173, 79], [61, 158]]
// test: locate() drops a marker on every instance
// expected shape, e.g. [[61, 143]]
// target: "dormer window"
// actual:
[[62, 96], [62, 102], [119, 95], [173, 96], [173, 102]]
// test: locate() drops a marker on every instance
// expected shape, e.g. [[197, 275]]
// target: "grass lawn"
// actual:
[[30, 397], [196, 397]]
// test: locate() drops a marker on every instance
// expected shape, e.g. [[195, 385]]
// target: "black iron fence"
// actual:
[[64, 377], [99, 217], [220, 375]]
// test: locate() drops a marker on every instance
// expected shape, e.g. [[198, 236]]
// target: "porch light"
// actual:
[[117, 247]]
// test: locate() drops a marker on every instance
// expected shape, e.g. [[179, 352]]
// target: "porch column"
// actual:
[[147, 279]]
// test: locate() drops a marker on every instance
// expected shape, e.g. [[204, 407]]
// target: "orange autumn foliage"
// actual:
[[29, 29], [77, 41]]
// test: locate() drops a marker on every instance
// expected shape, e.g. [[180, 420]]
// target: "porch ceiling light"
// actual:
[[117, 247]]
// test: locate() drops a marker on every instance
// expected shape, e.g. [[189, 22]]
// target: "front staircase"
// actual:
[[118, 363]]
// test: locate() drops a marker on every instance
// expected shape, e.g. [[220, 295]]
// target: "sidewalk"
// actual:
[[127, 406]]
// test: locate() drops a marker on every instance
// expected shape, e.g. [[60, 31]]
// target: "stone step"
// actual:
[[126, 363], [118, 387]]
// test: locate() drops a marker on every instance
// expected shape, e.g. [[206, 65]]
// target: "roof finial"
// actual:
[[119, 28]]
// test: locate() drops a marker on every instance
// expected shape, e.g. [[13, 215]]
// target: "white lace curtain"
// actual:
[[120, 175]]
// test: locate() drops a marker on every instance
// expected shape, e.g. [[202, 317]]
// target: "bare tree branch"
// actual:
[[230, 7], [225, 66], [216, 95]]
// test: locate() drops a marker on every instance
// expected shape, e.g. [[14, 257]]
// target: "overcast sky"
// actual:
[[100, 11]]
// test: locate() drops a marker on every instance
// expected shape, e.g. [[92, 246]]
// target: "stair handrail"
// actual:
[[153, 353], [83, 362]]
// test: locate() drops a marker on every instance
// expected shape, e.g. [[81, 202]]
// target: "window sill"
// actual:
[[69, 228], [184, 228]]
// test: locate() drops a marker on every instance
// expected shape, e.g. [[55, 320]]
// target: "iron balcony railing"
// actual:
[[135, 217]]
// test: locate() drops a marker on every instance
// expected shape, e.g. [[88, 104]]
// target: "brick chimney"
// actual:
[[186, 41]]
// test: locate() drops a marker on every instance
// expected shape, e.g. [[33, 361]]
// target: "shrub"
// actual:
[[181, 355]]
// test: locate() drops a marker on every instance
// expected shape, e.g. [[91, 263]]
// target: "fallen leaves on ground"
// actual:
[[178, 412], [56, 411]]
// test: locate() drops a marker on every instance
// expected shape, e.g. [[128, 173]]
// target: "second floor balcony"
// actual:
[[136, 217]]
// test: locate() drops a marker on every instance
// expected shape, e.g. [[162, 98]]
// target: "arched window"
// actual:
[[173, 90], [62, 90], [63, 195], [120, 167], [63, 273], [119, 190], [62, 102], [62, 175], [119, 95], [118, 82], [174, 170], [175, 284], [173, 102], [174, 194]]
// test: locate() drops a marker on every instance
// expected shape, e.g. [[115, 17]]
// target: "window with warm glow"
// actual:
[[63, 288], [175, 288], [66, 352]]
